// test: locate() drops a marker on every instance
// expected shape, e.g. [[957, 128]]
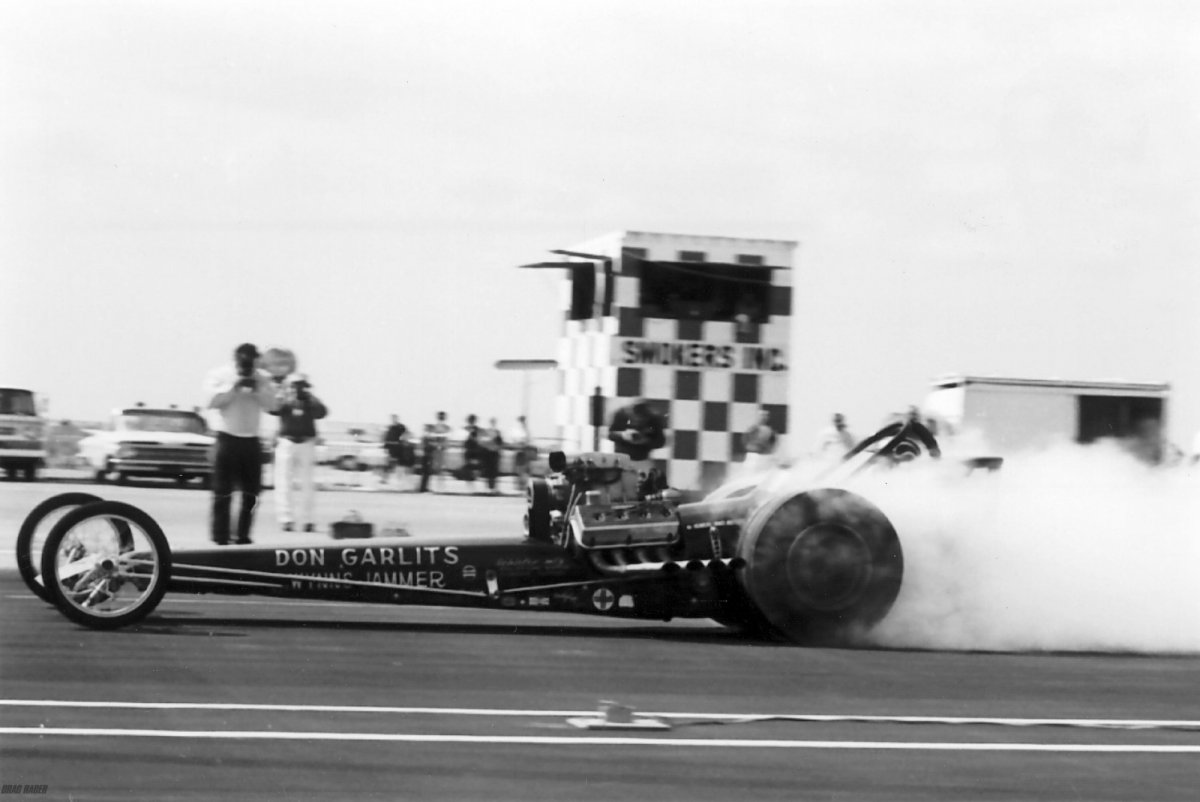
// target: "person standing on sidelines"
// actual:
[[433, 447], [518, 438], [239, 393], [395, 443], [490, 444], [637, 429], [296, 452], [837, 440], [760, 441]]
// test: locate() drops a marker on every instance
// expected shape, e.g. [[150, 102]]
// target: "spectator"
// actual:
[[518, 438], [760, 441], [296, 452], [395, 443], [837, 439], [240, 393], [490, 444], [433, 449], [472, 461], [636, 429]]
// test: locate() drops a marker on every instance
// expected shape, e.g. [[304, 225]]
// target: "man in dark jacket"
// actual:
[[636, 429], [296, 452], [395, 443]]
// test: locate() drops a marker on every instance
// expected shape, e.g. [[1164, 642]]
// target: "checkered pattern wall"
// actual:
[[709, 378]]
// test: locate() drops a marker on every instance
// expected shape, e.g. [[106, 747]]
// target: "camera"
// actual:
[[245, 370], [246, 375]]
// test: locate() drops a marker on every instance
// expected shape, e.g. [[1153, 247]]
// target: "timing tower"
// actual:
[[699, 326]]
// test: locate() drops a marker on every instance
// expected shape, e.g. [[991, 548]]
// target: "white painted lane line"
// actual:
[[535, 740], [724, 718], [444, 711]]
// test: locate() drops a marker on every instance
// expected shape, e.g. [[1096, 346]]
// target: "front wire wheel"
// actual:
[[106, 565], [32, 536]]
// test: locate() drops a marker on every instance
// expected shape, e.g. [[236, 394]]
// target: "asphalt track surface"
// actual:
[[240, 698]]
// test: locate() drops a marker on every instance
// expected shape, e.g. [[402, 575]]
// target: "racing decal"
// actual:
[[468, 572], [415, 579], [539, 601], [374, 556], [401, 555], [412, 566], [299, 557], [603, 599], [529, 565], [625, 602]]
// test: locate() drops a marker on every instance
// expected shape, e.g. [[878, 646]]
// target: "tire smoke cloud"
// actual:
[[1074, 549]]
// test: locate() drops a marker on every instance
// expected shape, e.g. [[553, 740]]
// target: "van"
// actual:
[[22, 433]]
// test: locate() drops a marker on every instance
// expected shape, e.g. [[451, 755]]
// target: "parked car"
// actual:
[[454, 457], [151, 441], [352, 450]]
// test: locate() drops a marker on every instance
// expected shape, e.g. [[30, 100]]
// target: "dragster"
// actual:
[[815, 566]]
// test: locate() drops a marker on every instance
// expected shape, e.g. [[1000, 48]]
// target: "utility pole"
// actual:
[[526, 366]]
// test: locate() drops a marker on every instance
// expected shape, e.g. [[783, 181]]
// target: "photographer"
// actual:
[[239, 392], [296, 451]]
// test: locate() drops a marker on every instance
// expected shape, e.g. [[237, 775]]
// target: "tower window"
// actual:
[[688, 291], [583, 291]]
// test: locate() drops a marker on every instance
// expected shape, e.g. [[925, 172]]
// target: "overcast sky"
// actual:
[[985, 187]]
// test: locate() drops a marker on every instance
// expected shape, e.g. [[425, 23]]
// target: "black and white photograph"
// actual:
[[600, 400]]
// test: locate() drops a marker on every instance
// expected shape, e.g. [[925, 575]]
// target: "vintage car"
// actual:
[[150, 441], [354, 450], [817, 566], [455, 461], [22, 433]]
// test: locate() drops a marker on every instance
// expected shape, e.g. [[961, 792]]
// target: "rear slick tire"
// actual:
[[821, 566]]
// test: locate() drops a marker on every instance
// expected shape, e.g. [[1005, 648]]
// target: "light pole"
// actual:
[[526, 366]]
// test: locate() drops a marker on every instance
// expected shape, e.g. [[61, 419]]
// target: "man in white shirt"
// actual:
[[760, 441], [240, 393], [837, 439]]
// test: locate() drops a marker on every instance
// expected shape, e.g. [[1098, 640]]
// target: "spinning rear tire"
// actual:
[[106, 565], [32, 536], [821, 566]]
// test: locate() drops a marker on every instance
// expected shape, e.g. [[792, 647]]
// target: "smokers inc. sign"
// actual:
[[631, 352]]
